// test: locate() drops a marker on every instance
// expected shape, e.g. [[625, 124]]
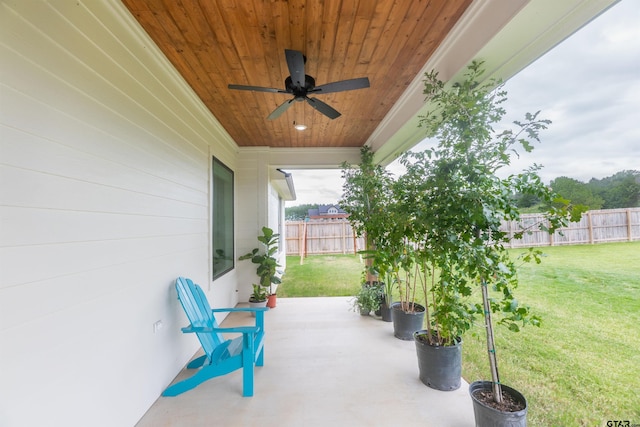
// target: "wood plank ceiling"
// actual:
[[213, 43]]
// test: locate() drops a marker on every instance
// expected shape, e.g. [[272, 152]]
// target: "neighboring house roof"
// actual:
[[327, 212]]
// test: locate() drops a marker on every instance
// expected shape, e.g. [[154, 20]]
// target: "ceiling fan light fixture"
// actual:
[[299, 126]]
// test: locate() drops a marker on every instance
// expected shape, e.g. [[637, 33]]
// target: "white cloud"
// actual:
[[316, 186], [589, 86]]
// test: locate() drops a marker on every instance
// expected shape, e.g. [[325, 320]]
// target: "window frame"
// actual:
[[220, 171]]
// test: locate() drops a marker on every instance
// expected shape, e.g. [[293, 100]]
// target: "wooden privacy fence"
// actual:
[[321, 237], [597, 226]]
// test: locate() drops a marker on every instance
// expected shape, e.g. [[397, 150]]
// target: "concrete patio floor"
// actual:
[[324, 365]]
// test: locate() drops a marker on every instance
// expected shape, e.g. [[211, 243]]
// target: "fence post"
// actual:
[[590, 227], [344, 238], [300, 238], [303, 246], [510, 234]]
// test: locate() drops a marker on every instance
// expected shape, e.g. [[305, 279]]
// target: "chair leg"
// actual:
[[247, 374], [248, 361], [260, 359]]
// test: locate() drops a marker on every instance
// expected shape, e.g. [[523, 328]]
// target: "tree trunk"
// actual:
[[491, 348]]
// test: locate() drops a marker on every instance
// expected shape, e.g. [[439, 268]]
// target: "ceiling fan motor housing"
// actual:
[[297, 91]]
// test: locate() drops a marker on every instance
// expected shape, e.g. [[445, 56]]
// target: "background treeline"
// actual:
[[298, 213], [621, 190]]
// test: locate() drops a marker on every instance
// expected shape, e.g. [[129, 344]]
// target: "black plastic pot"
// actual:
[[406, 323], [487, 416], [440, 366], [385, 311]]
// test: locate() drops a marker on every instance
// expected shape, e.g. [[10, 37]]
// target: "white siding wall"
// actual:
[[251, 180], [105, 161], [258, 205]]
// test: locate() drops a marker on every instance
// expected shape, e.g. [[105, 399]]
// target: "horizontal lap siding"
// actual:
[[104, 194]]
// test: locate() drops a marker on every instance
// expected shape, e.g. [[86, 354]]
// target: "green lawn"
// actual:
[[581, 368], [321, 276]]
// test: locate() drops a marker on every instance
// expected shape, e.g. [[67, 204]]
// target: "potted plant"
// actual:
[[386, 297], [267, 263], [365, 197], [407, 314], [258, 297], [381, 269], [468, 200], [369, 199], [367, 299], [448, 314], [446, 310]]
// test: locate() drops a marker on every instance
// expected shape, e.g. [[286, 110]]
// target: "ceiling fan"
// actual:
[[300, 85]]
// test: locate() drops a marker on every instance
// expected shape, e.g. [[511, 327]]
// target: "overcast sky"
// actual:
[[588, 86]]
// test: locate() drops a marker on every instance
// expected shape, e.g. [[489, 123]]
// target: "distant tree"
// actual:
[[526, 200], [578, 193], [621, 190], [298, 213]]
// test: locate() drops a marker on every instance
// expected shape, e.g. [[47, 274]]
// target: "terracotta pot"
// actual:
[[271, 301]]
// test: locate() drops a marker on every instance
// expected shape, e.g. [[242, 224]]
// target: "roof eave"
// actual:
[[507, 35]]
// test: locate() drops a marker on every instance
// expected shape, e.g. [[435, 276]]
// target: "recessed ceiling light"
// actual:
[[299, 126]]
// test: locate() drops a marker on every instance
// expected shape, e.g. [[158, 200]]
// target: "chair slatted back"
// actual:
[[196, 306]]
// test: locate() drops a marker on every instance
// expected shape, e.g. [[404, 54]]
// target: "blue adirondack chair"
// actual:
[[221, 356]]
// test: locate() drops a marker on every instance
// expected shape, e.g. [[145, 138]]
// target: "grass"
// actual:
[[582, 367], [322, 276]]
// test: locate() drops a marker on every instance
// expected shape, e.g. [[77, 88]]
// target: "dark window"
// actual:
[[222, 211]]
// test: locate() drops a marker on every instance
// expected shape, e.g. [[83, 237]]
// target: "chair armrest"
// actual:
[[237, 329], [224, 310]]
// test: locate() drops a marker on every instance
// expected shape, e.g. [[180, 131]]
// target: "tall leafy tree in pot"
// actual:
[[366, 197], [465, 199]]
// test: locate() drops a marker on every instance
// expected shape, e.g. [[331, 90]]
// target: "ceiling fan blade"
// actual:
[[257, 88], [324, 108], [351, 84], [281, 109], [295, 62]]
